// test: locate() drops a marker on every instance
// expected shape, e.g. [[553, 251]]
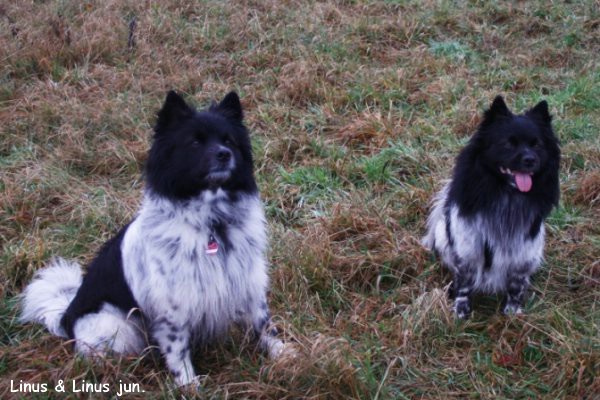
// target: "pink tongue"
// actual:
[[523, 181]]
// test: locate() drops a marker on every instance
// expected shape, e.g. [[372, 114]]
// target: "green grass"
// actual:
[[357, 110]]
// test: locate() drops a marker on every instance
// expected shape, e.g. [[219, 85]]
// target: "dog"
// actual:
[[486, 223], [188, 266]]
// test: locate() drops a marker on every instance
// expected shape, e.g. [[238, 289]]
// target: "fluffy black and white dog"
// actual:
[[191, 263], [487, 222]]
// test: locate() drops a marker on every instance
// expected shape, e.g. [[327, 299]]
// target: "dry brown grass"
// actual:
[[357, 110]]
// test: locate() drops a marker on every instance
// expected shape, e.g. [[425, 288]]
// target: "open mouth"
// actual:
[[522, 180], [220, 172], [216, 177]]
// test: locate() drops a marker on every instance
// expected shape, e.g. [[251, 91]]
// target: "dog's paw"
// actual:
[[274, 347], [289, 350], [512, 309], [462, 308], [286, 353], [186, 382], [277, 349]]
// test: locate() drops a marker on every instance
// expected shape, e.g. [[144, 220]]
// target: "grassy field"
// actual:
[[357, 110]]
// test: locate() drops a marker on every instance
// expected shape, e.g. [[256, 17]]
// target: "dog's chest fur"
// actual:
[[492, 244], [170, 273], [496, 246]]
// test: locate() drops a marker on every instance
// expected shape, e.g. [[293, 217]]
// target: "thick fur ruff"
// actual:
[[486, 224], [161, 251], [188, 266]]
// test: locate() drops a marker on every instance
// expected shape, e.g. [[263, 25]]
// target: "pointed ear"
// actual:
[[174, 108], [540, 112], [498, 109], [231, 107]]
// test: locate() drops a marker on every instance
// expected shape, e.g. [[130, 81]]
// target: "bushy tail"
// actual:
[[47, 297], [436, 217]]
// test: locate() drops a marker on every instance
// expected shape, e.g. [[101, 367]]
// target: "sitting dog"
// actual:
[[487, 222], [192, 261]]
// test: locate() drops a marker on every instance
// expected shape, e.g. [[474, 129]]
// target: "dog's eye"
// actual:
[[512, 142], [196, 143], [535, 143], [228, 142]]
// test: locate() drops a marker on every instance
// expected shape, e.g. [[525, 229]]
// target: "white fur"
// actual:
[[187, 294], [511, 249], [110, 329], [49, 294], [216, 286]]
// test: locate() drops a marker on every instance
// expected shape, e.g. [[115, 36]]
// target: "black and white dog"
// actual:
[[487, 222], [191, 263]]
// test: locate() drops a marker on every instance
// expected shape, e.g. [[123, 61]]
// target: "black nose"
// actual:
[[224, 155], [529, 161]]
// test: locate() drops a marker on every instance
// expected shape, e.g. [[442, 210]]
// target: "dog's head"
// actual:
[[518, 149], [195, 151]]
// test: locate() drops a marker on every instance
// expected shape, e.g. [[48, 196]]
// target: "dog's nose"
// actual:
[[224, 154], [529, 161]]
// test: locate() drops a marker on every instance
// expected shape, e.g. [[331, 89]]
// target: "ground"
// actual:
[[357, 110]]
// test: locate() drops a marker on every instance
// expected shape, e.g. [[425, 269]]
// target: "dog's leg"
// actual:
[[452, 290], [515, 294], [174, 344], [264, 332], [463, 284]]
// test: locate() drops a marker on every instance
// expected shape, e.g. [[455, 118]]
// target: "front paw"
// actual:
[[186, 382], [462, 308], [512, 309], [287, 350], [275, 348]]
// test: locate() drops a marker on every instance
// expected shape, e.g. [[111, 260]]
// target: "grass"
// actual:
[[357, 110]]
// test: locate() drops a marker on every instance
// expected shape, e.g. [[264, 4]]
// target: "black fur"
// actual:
[[217, 131], [104, 283], [504, 140], [488, 253], [504, 184], [192, 262], [184, 137]]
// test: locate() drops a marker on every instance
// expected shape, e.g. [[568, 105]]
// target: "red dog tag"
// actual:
[[213, 246]]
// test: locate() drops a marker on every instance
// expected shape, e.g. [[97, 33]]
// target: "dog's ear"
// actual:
[[174, 108], [231, 107], [498, 109], [540, 112]]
